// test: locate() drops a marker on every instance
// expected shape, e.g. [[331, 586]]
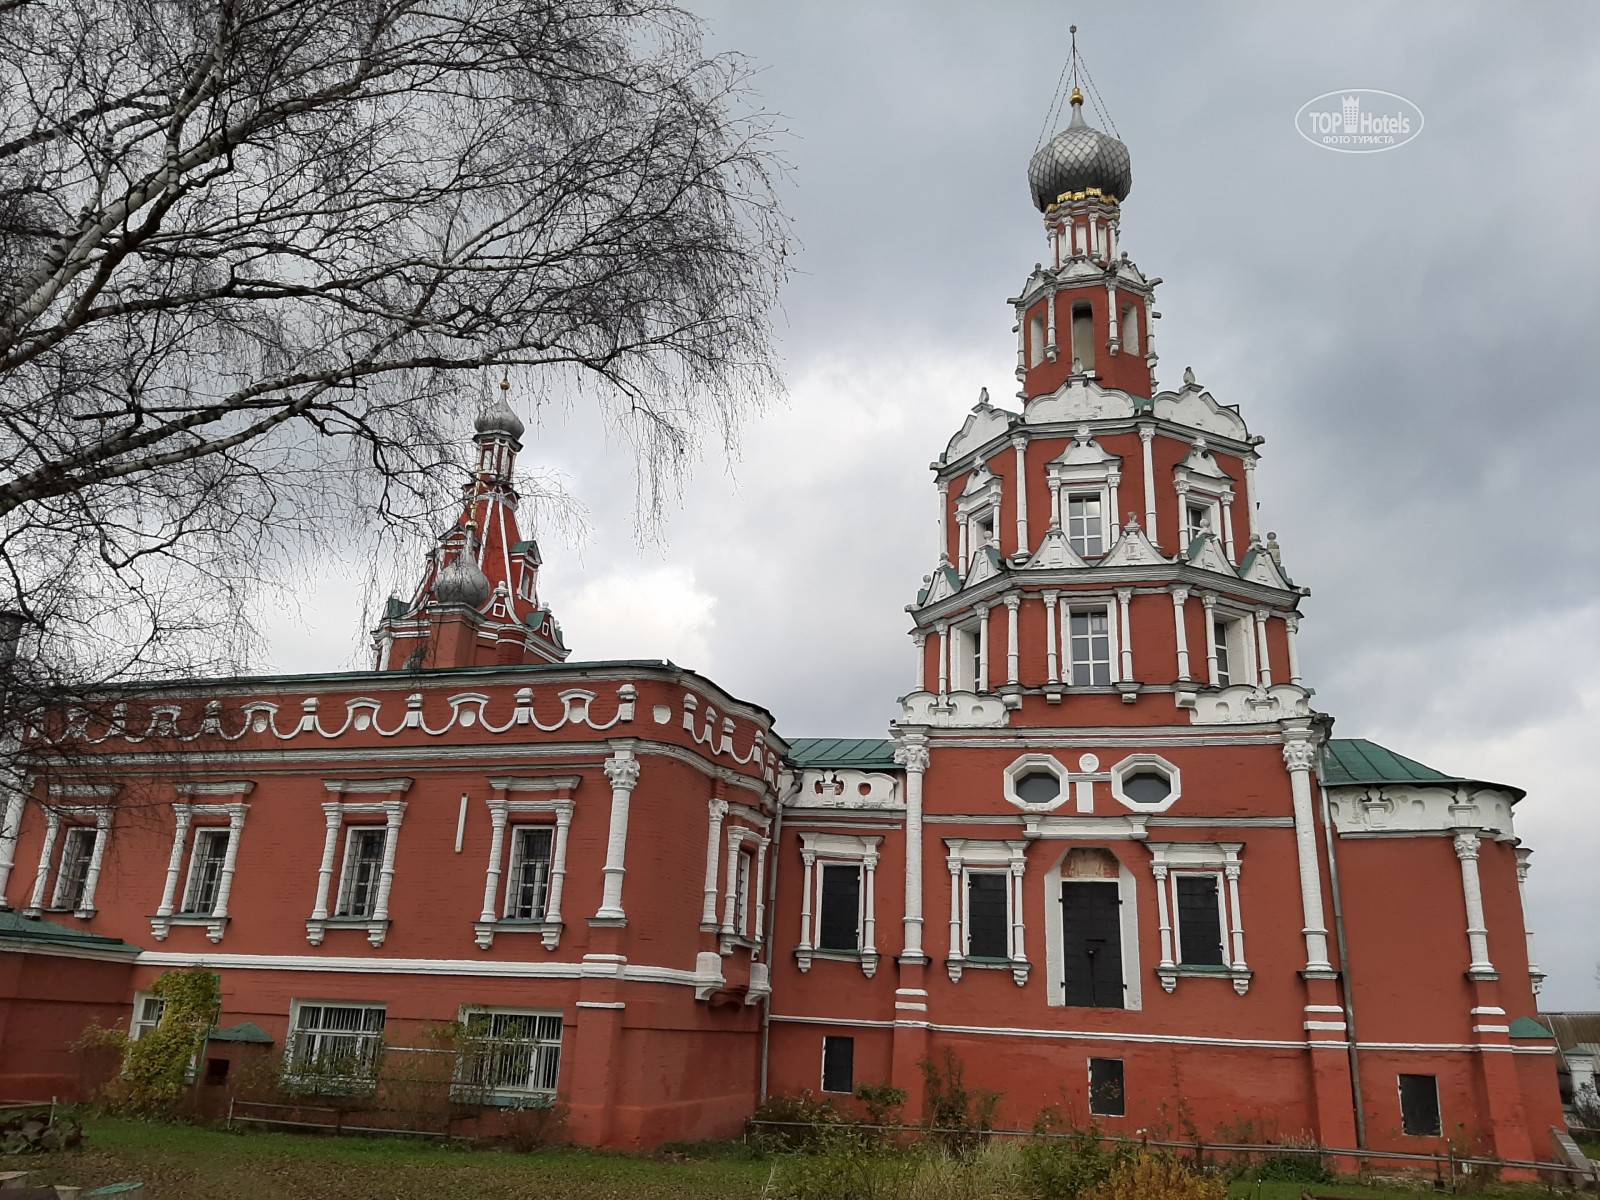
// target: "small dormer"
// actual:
[[977, 514], [1205, 497], [1084, 495]]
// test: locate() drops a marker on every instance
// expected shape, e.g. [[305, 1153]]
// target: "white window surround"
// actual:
[[1136, 764], [1169, 860], [1128, 894], [1086, 468], [1239, 627], [1199, 480], [334, 813], [967, 856], [553, 806], [147, 1009], [821, 849], [1029, 764], [57, 815], [977, 507], [185, 838], [730, 934], [321, 1041]]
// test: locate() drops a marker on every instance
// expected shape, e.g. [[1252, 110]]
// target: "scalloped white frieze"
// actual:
[[1245, 703], [955, 710], [1417, 808]]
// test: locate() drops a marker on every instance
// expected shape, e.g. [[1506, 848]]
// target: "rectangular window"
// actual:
[[1196, 520], [146, 1015], [1199, 921], [839, 915], [1106, 1095], [1086, 525], [337, 1042], [1219, 631], [72, 879], [838, 1064], [1091, 943], [529, 891], [1091, 648], [988, 923], [1130, 329], [1036, 340], [205, 870], [1419, 1105], [363, 860], [1083, 335], [982, 533], [965, 658], [512, 1056]]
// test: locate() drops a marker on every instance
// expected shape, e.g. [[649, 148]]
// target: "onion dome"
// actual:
[[462, 581], [1077, 159], [498, 417]]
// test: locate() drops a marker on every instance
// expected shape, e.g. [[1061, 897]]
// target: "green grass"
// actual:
[[1591, 1149], [179, 1162]]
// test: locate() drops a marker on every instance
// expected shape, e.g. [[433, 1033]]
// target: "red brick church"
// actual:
[[1108, 853]]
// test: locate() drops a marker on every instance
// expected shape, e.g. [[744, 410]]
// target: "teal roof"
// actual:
[[875, 753], [1527, 1027], [247, 1032], [14, 927], [1357, 762]]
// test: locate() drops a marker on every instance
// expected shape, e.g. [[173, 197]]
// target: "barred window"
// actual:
[[513, 1056], [205, 870], [77, 852], [363, 862], [337, 1041], [529, 893]]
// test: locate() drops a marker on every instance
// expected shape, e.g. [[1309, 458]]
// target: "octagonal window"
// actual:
[[1146, 783], [1147, 787], [1037, 787]]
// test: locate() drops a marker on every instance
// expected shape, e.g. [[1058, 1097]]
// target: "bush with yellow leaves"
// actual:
[[1150, 1178]]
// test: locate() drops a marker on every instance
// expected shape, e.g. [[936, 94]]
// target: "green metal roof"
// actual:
[[875, 753], [14, 927], [1358, 762], [247, 1032], [1527, 1027]]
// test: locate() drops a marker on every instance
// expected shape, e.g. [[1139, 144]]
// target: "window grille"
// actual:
[[337, 1041], [77, 852], [205, 870], [363, 861], [1107, 1095], [529, 893], [513, 1056]]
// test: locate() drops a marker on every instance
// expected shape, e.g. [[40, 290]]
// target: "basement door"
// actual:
[[1091, 943]]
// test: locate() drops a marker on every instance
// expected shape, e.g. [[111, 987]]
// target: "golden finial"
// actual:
[[1077, 98], [505, 382]]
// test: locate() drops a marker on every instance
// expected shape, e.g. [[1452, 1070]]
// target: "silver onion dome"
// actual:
[[498, 418], [1078, 158], [462, 581]]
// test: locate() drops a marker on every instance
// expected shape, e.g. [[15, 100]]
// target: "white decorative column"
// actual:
[[1300, 757], [981, 684], [393, 811], [718, 809], [184, 815], [97, 859], [1147, 434], [1013, 603], [1226, 505], [731, 900], [1124, 601], [1050, 350], [498, 814], [1111, 300], [943, 632], [758, 930], [1264, 656], [1050, 637], [809, 858], [333, 818], [1254, 517], [1291, 626], [919, 639], [944, 520], [912, 754], [1114, 485], [1055, 505], [1019, 951], [1020, 445], [1210, 603], [1466, 843], [1180, 626], [1534, 973], [230, 862], [1164, 920], [622, 769], [558, 868], [1231, 871], [957, 949], [963, 536], [869, 919], [10, 833]]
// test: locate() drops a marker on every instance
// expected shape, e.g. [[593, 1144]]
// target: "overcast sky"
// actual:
[[1410, 330]]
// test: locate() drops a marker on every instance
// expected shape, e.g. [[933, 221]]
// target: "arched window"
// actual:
[[1083, 334]]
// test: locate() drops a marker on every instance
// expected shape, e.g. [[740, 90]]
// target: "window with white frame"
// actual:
[[986, 927], [837, 918], [1036, 339], [511, 1056], [72, 872], [1090, 643], [1146, 783], [363, 866], [1224, 672], [967, 657], [147, 1011], [1086, 529], [1198, 518], [1235, 650], [528, 889], [1036, 782], [1130, 329], [1197, 899], [69, 860], [982, 530], [1083, 334], [336, 1043], [204, 886]]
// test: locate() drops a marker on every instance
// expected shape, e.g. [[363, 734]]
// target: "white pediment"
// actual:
[[1197, 410], [1200, 462], [983, 425], [1133, 549], [942, 584], [1054, 552], [985, 565], [1079, 399], [1206, 553], [1260, 567], [979, 479], [1083, 452]]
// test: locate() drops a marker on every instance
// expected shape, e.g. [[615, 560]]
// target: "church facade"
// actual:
[[1109, 856]]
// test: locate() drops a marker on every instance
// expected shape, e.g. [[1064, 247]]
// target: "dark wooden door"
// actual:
[[1091, 943]]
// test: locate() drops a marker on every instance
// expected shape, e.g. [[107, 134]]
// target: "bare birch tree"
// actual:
[[257, 258]]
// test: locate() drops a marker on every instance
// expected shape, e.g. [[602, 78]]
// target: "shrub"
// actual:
[[1070, 1166], [1151, 1177], [158, 1069], [960, 1116], [842, 1166]]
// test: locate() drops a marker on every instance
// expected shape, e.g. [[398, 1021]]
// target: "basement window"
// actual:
[[1419, 1105], [839, 1064], [1107, 1097]]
